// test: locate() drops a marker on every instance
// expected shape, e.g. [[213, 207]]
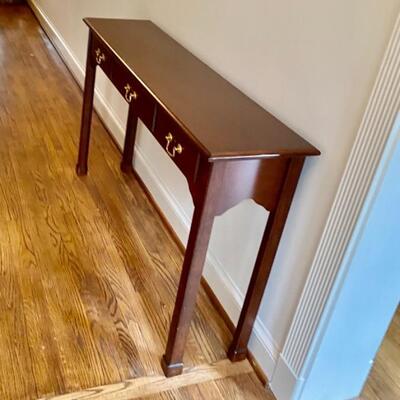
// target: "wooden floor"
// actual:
[[384, 380], [88, 270]]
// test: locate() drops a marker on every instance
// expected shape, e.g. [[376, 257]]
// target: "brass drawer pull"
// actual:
[[100, 57], [129, 93], [176, 149]]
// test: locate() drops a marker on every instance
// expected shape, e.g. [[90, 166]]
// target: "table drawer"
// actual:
[[102, 55], [176, 143], [134, 92]]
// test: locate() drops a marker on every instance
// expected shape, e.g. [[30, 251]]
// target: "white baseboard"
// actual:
[[262, 345], [285, 384]]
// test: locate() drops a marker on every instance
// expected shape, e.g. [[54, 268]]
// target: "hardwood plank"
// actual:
[[140, 387], [241, 386], [88, 269]]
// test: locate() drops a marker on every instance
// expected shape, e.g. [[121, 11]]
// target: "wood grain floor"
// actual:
[[383, 382], [88, 270]]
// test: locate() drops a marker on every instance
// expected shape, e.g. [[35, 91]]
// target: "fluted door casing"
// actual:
[[375, 128]]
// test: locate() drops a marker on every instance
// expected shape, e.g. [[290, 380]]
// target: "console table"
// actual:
[[228, 148]]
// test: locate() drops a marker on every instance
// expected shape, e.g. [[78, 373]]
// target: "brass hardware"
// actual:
[[100, 57], [176, 149], [129, 93]]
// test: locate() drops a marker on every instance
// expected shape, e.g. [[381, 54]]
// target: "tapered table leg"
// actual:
[[130, 136], [269, 245], [189, 281], [87, 109]]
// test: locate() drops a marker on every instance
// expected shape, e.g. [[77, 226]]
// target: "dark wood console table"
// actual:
[[227, 146]]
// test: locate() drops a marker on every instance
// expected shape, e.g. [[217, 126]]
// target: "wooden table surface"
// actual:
[[222, 120]]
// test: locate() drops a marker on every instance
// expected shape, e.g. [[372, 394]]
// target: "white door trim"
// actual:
[[299, 350]]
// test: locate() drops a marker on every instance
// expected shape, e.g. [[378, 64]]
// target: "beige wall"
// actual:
[[312, 64]]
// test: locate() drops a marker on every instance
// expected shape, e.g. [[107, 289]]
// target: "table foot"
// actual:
[[237, 354], [126, 168], [171, 370], [81, 170]]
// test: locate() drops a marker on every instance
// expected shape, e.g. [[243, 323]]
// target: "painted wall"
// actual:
[[369, 293], [311, 64]]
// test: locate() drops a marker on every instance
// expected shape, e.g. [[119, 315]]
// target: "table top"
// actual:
[[222, 120]]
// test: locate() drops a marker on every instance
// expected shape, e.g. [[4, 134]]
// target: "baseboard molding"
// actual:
[[58, 42], [285, 384], [262, 346]]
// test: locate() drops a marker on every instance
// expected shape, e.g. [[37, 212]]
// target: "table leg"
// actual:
[[87, 109], [189, 283], [269, 245], [130, 136]]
